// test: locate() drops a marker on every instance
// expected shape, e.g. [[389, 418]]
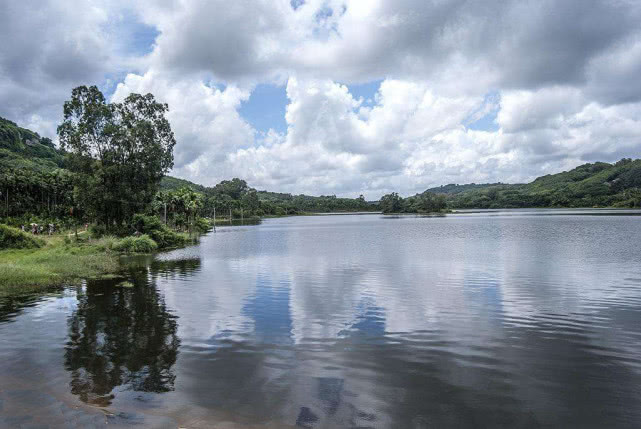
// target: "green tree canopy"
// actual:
[[391, 203], [119, 151], [235, 188]]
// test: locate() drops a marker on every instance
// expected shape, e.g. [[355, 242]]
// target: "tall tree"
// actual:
[[119, 151], [235, 188], [391, 203], [250, 201]]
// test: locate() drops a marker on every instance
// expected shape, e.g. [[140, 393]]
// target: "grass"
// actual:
[[142, 244], [13, 238], [56, 263], [31, 264]]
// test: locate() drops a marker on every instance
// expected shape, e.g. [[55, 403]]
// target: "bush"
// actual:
[[13, 238], [97, 231], [142, 244], [107, 242], [159, 232], [202, 225]]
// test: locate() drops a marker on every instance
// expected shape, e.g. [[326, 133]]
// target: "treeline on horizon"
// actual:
[[592, 185], [108, 181]]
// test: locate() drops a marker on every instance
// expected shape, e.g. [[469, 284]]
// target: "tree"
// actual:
[[391, 203], [119, 151], [235, 188], [429, 202], [250, 201]]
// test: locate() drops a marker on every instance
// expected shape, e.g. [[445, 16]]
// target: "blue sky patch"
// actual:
[[134, 37], [265, 108], [484, 119], [296, 3], [366, 90]]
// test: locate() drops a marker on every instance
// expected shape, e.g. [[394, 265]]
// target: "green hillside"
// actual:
[[457, 189], [170, 183], [32, 177], [23, 148], [589, 185], [290, 204]]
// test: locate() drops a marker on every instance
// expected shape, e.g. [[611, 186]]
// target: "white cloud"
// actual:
[[204, 119]]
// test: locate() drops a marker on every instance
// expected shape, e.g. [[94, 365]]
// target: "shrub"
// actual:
[[107, 242], [142, 244], [97, 231], [13, 238], [159, 232], [202, 225]]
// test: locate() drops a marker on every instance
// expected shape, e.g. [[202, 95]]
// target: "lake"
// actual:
[[506, 318]]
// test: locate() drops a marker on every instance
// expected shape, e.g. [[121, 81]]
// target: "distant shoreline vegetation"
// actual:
[[597, 185]]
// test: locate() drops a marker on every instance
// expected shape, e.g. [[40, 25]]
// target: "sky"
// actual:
[[345, 97]]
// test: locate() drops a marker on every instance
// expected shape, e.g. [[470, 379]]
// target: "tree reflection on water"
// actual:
[[121, 337]]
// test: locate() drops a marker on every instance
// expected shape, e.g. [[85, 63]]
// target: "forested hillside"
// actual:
[[589, 185], [29, 145], [32, 177], [236, 194]]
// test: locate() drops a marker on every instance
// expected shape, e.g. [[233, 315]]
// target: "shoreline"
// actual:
[[25, 271]]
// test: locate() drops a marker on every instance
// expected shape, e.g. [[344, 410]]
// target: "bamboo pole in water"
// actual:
[[214, 218]]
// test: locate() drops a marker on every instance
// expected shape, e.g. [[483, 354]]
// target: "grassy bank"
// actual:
[[29, 263], [56, 263]]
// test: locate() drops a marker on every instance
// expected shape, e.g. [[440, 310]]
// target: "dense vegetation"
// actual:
[[242, 200], [589, 185], [427, 202], [109, 172], [13, 238], [118, 153], [33, 182]]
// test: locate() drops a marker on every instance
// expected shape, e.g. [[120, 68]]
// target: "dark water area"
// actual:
[[517, 318]]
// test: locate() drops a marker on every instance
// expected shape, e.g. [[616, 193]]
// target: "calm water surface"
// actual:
[[502, 318]]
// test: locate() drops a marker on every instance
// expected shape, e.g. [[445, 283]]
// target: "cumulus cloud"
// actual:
[[204, 118], [410, 138], [505, 44], [557, 81], [46, 48]]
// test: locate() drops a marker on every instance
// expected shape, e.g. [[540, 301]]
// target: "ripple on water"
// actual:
[[507, 319]]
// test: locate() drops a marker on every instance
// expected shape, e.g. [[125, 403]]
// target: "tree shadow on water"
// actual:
[[121, 337]]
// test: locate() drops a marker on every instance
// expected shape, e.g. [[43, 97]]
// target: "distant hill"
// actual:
[[170, 183], [299, 203], [21, 148], [589, 185], [457, 189]]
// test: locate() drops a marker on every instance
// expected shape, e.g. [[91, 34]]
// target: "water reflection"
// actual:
[[453, 323], [12, 306], [457, 321], [120, 337]]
